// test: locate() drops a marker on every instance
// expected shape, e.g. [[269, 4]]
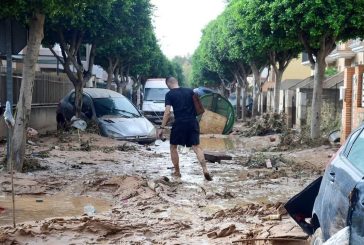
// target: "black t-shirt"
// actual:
[[181, 101]]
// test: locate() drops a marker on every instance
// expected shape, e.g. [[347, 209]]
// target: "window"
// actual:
[[356, 154], [350, 142], [72, 99], [87, 107], [119, 106], [155, 94]]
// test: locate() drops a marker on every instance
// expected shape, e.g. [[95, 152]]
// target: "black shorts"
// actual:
[[185, 133]]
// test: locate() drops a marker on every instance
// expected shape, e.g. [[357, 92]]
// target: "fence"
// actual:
[[48, 88]]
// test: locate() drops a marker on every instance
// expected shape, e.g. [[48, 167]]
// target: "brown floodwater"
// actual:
[[34, 208]]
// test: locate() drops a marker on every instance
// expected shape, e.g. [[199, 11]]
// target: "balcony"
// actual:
[[342, 50], [357, 45]]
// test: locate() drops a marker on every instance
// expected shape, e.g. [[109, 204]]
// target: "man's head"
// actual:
[[172, 82]]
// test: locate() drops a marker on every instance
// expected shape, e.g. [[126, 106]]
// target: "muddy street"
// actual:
[[102, 191]]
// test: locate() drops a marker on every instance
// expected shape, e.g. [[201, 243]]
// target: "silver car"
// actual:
[[115, 115]]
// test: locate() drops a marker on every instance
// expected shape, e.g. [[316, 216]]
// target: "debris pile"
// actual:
[[32, 164], [263, 160], [291, 138], [270, 123]]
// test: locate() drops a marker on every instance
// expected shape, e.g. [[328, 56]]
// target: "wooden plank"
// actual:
[[216, 156]]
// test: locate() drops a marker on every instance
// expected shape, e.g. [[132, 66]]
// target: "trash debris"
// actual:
[[270, 123], [268, 163], [78, 123], [272, 139], [223, 233], [272, 217], [334, 137], [31, 142], [32, 133], [9, 119], [89, 210]]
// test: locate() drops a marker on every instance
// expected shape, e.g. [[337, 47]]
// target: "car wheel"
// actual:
[[317, 238], [61, 122]]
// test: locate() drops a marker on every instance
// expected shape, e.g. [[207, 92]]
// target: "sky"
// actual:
[[178, 23]]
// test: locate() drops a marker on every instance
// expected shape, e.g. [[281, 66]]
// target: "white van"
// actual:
[[155, 91]]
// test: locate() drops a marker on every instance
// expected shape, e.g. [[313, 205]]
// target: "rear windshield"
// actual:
[[119, 106], [155, 94]]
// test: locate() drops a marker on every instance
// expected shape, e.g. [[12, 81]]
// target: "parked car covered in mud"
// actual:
[[335, 200], [114, 114]]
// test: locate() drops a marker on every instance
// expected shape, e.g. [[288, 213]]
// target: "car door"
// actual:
[[87, 110], [339, 180], [356, 212], [69, 108], [356, 215]]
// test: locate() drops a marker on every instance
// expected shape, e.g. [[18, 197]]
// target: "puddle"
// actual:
[[27, 208], [216, 144]]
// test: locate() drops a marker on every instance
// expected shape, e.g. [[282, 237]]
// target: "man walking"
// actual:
[[185, 129]]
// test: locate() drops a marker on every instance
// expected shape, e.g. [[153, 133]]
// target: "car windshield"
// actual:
[[155, 94], [118, 106]]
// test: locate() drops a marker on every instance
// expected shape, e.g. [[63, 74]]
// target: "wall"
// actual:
[[353, 110], [42, 118], [296, 70], [330, 111]]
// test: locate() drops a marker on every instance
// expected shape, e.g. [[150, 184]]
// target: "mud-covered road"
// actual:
[[136, 200]]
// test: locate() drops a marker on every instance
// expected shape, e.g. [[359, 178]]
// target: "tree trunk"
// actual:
[[238, 100], [277, 89], [36, 27], [78, 98], [256, 90], [320, 67], [243, 104], [109, 74]]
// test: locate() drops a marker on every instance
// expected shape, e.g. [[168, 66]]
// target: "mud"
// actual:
[[137, 201]]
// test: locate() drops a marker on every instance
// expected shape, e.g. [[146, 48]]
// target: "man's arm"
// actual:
[[166, 116]]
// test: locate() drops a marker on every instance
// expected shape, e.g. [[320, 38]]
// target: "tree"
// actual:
[[280, 48], [133, 19], [32, 13], [186, 66], [319, 25], [76, 24], [253, 54], [201, 74]]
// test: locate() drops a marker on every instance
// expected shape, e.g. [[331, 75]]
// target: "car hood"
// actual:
[[127, 127]]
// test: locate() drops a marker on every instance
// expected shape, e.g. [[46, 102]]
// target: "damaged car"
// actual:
[[114, 114], [336, 200]]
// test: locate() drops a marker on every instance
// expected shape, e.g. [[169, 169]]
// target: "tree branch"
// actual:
[[305, 43], [79, 42], [91, 62], [56, 55]]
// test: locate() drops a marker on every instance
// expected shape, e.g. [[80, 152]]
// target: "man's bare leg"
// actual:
[[201, 158], [175, 160]]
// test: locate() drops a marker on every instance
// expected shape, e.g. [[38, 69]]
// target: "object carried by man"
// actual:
[[198, 105]]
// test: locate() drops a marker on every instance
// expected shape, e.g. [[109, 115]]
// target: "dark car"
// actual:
[[201, 91], [114, 114], [336, 200]]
